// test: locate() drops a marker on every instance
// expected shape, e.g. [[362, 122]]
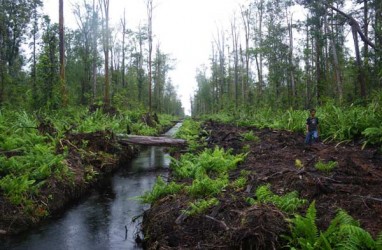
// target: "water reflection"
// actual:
[[99, 221]]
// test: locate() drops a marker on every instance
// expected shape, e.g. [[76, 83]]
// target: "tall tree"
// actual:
[[149, 6], [62, 53], [106, 48], [15, 16]]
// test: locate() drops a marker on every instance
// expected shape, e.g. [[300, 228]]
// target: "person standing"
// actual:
[[312, 128]]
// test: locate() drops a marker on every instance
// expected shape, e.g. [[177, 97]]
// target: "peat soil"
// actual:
[[354, 185]]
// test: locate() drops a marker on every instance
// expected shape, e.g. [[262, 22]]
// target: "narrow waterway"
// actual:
[[100, 221]]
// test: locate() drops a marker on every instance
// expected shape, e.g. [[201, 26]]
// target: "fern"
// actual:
[[326, 167], [200, 206], [160, 190], [288, 202], [354, 237], [343, 233], [205, 186], [378, 241]]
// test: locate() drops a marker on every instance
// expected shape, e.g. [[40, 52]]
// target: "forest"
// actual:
[[245, 179]]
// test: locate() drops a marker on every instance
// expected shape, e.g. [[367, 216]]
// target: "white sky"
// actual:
[[184, 28]]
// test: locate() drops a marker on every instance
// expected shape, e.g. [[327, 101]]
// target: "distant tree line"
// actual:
[[269, 59], [103, 65]]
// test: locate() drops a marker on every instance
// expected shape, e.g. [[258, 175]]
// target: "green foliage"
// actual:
[[90, 174], [249, 136], [23, 174], [208, 161], [343, 233], [160, 190], [200, 206], [326, 167], [289, 202], [373, 135], [241, 181], [189, 131], [204, 186], [17, 187], [336, 123]]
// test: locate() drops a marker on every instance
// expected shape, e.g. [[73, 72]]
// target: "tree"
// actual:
[[62, 54], [15, 15], [106, 48], [149, 6]]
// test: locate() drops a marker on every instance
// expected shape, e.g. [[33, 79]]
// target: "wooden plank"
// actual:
[[151, 140]]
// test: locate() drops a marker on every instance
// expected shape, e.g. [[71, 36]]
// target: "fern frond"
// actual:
[[378, 242], [354, 237]]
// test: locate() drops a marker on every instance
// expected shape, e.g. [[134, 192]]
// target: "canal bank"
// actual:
[[103, 220]]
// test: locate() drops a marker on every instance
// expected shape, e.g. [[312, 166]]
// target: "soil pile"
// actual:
[[354, 185]]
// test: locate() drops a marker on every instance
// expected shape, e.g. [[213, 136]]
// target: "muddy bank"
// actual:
[[354, 185], [90, 157]]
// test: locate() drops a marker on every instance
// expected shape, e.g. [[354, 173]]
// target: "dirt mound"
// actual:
[[354, 185]]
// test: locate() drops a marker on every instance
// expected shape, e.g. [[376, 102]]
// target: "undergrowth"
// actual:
[[343, 233], [289, 202], [200, 206], [326, 167], [28, 158], [336, 123], [209, 161], [160, 190], [190, 131]]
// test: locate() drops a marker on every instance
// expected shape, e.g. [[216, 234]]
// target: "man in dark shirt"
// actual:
[[312, 128]]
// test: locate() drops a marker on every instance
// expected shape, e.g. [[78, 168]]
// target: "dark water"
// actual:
[[99, 221]]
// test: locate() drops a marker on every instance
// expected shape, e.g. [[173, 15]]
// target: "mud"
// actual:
[[354, 185]]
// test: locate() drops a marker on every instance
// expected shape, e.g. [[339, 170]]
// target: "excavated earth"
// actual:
[[354, 185]]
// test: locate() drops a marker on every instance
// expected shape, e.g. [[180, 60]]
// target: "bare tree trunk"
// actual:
[[105, 9], [361, 75], [291, 63], [307, 71], [62, 54], [123, 22], [246, 15], [149, 5], [235, 38], [336, 65], [261, 84], [356, 29], [366, 30], [94, 50]]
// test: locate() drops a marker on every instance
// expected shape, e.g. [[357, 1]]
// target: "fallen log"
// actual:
[[151, 141]]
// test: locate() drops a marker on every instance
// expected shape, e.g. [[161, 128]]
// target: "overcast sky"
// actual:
[[184, 28]]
